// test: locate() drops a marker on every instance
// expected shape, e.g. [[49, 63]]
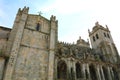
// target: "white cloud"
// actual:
[[73, 6]]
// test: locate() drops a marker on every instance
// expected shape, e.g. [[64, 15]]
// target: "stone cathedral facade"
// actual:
[[31, 51]]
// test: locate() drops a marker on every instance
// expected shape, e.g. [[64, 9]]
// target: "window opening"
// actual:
[[93, 38]]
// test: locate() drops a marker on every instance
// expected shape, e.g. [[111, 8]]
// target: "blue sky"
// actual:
[[75, 17]]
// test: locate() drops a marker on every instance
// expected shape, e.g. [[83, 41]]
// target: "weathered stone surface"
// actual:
[[2, 66], [34, 53]]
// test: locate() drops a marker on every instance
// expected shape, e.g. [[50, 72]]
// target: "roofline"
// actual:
[[5, 28]]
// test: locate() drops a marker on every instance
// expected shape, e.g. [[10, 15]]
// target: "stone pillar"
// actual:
[[112, 74], [98, 73], [69, 65], [109, 74], [83, 71], [102, 74], [12, 33], [16, 44], [55, 72], [74, 70], [52, 47], [88, 71]]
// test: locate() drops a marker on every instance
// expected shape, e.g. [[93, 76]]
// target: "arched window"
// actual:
[[105, 34], [78, 71], [108, 35], [93, 38], [97, 37], [61, 70], [38, 27], [92, 72]]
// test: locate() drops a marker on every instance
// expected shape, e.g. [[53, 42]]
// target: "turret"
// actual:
[[14, 41], [52, 47], [83, 43], [102, 42]]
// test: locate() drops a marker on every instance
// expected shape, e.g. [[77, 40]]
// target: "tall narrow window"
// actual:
[[108, 35], [38, 27], [93, 38], [105, 34], [97, 37]]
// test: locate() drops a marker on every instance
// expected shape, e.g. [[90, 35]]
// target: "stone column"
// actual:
[[102, 74], [109, 74], [83, 71], [55, 72], [16, 45], [74, 70], [98, 72], [52, 47], [68, 69], [112, 74], [88, 71]]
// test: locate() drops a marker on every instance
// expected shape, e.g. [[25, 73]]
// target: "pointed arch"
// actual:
[[78, 70], [61, 70], [94, 38], [38, 26], [97, 37], [105, 71], [93, 73]]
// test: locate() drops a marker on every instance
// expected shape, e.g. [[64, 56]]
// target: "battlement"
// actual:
[[53, 18], [24, 10], [96, 27]]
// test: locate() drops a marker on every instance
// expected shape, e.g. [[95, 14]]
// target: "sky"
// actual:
[[74, 17]]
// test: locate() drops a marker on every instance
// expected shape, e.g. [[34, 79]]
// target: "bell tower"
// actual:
[[102, 42], [31, 49]]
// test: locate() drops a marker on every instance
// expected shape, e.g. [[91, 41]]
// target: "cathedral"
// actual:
[[31, 51]]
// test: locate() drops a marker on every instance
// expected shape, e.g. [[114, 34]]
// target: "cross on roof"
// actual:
[[39, 12]]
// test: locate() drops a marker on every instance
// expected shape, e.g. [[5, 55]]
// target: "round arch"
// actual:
[[61, 70]]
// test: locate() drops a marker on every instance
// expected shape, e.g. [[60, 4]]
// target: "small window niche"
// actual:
[[108, 35], [93, 38], [38, 26], [105, 34], [97, 37]]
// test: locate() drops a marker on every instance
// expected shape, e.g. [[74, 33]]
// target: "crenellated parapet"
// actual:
[[53, 18], [24, 10], [80, 52]]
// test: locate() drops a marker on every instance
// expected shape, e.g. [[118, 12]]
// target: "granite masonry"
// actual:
[[31, 51]]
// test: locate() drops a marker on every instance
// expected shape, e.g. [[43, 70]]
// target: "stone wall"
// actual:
[[31, 46], [2, 67]]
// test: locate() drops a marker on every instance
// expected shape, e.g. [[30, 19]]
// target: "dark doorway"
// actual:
[[61, 70]]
